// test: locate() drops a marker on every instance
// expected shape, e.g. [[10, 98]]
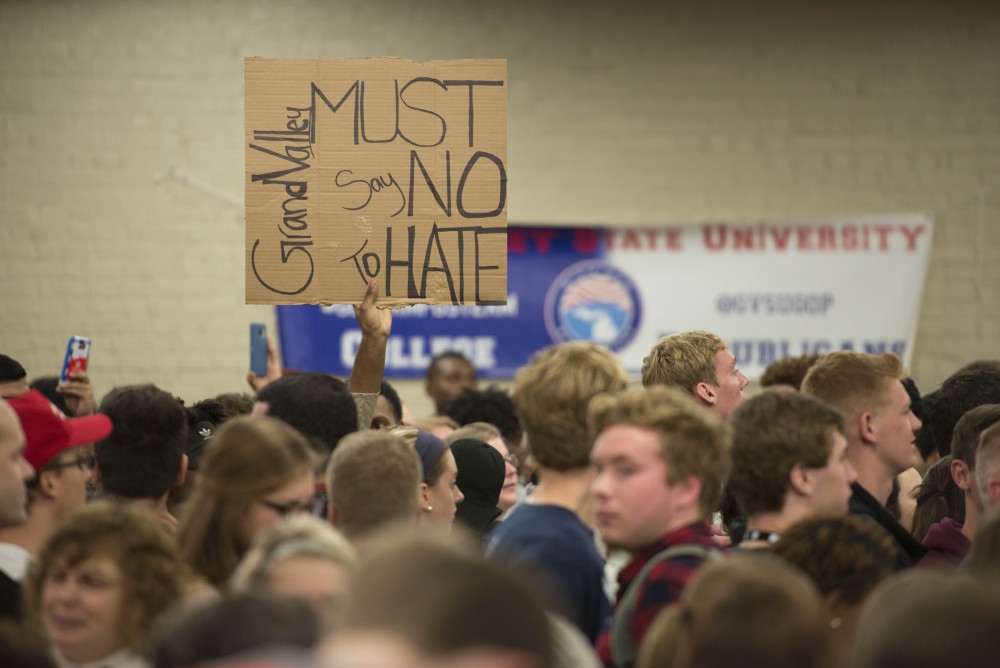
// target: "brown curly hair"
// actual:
[[788, 371], [843, 554], [130, 536]]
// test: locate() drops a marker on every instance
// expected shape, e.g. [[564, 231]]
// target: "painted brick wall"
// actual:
[[121, 151]]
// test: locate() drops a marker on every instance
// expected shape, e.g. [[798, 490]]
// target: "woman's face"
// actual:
[[508, 493], [293, 498], [444, 495], [81, 608]]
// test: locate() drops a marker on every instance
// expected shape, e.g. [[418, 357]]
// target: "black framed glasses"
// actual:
[[290, 508], [83, 461]]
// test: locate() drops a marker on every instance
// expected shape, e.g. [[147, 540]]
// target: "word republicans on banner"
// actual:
[[770, 289]]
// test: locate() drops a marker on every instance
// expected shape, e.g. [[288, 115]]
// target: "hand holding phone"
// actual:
[[77, 356]]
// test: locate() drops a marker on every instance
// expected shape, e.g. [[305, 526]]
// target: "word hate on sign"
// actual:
[[376, 168]]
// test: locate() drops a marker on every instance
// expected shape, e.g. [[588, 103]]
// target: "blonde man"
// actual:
[[880, 428], [551, 394], [660, 461], [700, 364]]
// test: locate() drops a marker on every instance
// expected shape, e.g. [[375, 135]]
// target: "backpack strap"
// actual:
[[623, 650]]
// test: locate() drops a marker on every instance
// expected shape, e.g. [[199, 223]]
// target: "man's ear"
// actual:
[[688, 491], [705, 392], [960, 473], [800, 480], [866, 427], [47, 485]]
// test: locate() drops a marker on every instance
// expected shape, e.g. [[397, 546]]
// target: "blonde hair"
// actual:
[[298, 536], [850, 381], [692, 440], [248, 458], [683, 360], [484, 431], [551, 394]]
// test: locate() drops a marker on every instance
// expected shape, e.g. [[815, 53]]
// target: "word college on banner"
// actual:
[[770, 289], [376, 168]]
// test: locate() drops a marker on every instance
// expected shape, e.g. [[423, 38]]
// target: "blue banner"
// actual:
[[769, 289], [498, 339]]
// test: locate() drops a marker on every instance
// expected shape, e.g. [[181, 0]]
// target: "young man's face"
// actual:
[[897, 429], [732, 382], [635, 506], [450, 376], [831, 484]]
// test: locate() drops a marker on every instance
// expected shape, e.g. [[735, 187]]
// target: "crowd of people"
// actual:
[[837, 517]]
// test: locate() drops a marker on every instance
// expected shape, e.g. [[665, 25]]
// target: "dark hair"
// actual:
[[965, 437], [47, 386], [916, 403], [316, 404], [230, 625], [892, 503], [448, 354], [142, 456], [925, 437], [772, 433], [11, 369], [21, 649], [959, 393], [938, 497], [236, 403], [206, 410], [981, 365], [389, 392], [844, 554], [492, 405], [788, 371]]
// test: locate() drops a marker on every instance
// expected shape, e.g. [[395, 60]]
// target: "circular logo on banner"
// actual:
[[593, 301]]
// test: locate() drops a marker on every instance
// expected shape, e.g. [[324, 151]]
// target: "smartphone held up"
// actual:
[[77, 356]]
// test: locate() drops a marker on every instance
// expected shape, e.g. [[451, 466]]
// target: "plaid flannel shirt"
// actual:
[[665, 582]]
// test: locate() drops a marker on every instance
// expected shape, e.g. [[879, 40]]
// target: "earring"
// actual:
[[428, 509], [835, 623]]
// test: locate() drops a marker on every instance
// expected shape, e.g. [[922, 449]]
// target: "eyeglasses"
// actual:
[[290, 508], [512, 460], [83, 462]]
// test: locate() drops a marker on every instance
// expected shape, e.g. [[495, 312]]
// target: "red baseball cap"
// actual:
[[49, 432]]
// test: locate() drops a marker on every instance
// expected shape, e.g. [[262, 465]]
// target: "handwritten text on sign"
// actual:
[[376, 168]]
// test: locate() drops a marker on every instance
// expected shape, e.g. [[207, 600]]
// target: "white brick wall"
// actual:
[[619, 113]]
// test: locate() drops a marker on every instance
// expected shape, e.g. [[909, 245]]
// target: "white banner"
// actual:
[[779, 289]]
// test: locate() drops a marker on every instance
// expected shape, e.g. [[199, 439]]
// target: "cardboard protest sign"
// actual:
[[376, 168]]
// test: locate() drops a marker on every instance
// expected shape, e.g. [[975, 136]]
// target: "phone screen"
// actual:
[[258, 348], [77, 355]]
